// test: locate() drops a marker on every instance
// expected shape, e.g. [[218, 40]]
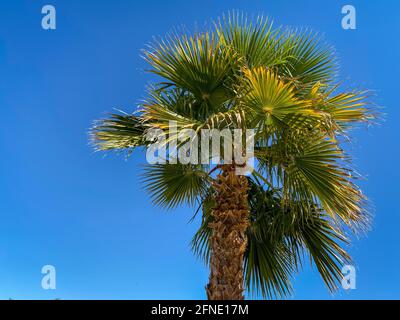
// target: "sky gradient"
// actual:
[[88, 215]]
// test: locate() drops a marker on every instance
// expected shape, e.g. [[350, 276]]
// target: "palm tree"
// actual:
[[300, 201]]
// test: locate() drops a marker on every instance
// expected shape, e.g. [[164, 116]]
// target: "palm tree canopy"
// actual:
[[243, 73]]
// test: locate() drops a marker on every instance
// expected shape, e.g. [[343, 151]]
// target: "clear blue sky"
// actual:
[[64, 205]]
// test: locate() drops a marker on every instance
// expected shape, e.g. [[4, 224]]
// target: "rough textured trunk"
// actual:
[[228, 240]]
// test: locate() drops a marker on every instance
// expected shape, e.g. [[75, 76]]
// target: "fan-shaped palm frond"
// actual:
[[308, 60], [255, 41], [198, 64], [118, 132], [170, 185], [317, 172], [274, 103]]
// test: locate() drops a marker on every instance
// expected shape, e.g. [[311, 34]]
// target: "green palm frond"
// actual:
[[269, 268], [200, 241], [253, 40], [162, 108], [308, 60], [175, 99], [344, 108], [273, 102], [196, 63], [170, 185], [271, 259], [317, 171], [322, 241], [118, 132], [348, 108]]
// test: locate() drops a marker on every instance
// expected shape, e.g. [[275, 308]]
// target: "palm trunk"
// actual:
[[228, 240]]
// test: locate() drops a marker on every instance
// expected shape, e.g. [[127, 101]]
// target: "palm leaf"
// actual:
[[118, 132], [170, 185]]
